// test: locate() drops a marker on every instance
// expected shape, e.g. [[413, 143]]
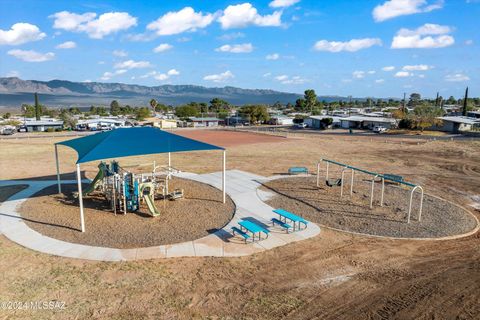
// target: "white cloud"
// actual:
[[457, 77], [282, 3], [13, 73], [418, 67], [468, 42], [388, 68], [31, 56], [162, 47], [120, 53], [175, 22], [394, 8], [266, 75], [231, 36], [236, 48], [284, 79], [273, 56], [20, 33], [372, 72], [403, 74], [358, 74], [243, 15], [108, 75], [131, 64], [105, 24], [166, 76], [221, 77], [379, 81], [350, 46], [67, 45], [427, 36]]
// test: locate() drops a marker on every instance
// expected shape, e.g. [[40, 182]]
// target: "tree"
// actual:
[[451, 100], [426, 116], [114, 108], [217, 104], [310, 100], [38, 111], [414, 99], [153, 104], [300, 105], [255, 113], [186, 111], [142, 113], [7, 115], [326, 122], [74, 110], [68, 120]]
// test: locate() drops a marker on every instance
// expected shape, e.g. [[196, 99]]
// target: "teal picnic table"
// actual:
[[253, 228], [285, 215]]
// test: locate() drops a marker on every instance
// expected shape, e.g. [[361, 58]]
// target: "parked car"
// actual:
[[22, 129], [302, 125], [379, 129]]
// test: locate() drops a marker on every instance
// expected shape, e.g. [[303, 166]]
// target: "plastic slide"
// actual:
[[99, 177], [151, 206]]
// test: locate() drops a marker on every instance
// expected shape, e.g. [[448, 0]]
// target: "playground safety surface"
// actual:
[[323, 205], [193, 217]]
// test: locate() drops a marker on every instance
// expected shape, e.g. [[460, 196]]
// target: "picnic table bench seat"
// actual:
[[393, 177], [242, 233], [282, 224]]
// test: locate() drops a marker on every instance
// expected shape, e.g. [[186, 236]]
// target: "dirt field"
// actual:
[[332, 276], [198, 214]]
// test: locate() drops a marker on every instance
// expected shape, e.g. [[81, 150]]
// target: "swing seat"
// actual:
[[334, 182]]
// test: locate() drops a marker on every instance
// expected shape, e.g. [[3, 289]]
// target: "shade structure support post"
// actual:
[[169, 160], [58, 170], [80, 198], [223, 174], [372, 190], [410, 205]]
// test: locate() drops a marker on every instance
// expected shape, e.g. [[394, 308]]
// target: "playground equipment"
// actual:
[[126, 190], [375, 176]]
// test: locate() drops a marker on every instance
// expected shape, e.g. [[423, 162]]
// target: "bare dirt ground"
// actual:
[[198, 214], [332, 276]]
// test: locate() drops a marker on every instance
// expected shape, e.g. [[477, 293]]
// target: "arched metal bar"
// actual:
[[343, 179], [351, 183], [410, 205], [383, 190], [318, 174], [371, 193]]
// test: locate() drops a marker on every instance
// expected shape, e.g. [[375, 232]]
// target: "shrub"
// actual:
[[50, 130]]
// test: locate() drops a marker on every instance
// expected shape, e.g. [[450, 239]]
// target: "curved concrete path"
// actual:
[[242, 187]]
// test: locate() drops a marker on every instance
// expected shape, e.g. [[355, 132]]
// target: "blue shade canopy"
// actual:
[[137, 141]]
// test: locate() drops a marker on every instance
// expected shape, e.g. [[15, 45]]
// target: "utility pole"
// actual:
[[404, 102], [436, 100]]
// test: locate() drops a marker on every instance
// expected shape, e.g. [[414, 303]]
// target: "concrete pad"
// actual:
[[209, 246], [184, 249], [151, 252]]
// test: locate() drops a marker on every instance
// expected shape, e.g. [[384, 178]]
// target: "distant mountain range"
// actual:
[[62, 93]]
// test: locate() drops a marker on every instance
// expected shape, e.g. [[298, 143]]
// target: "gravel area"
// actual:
[[324, 206], [198, 214]]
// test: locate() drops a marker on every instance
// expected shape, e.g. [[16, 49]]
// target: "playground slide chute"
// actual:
[[147, 191], [98, 178], [151, 206]]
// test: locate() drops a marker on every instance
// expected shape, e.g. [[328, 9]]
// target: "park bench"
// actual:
[[297, 170], [282, 224], [241, 233]]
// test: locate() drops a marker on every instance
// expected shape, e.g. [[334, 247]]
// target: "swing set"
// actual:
[[345, 168]]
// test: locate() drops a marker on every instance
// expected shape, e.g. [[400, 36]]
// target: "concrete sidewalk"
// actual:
[[241, 186]]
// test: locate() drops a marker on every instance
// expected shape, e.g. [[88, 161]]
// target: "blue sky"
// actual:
[[361, 48]]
